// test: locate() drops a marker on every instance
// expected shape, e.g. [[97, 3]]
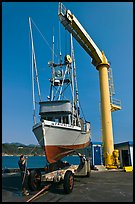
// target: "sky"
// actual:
[[110, 25]]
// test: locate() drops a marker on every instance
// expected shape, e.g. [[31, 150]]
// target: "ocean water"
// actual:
[[34, 161]]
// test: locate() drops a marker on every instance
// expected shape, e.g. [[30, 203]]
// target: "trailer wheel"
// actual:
[[34, 179], [68, 182], [88, 174], [88, 169]]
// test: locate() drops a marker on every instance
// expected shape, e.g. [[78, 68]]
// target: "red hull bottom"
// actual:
[[55, 153]]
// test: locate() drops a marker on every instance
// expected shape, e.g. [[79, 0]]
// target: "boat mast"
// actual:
[[62, 78], [34, 66], [60, 92], [53, 71], [74, 82], [60, 44], [73, 96]]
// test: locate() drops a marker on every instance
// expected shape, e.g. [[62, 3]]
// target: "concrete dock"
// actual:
[[101, 186]]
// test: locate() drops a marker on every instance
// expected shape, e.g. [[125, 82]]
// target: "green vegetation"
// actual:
[[18, 149], [33, 150]]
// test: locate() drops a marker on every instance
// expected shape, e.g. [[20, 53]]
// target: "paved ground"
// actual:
[[101, 186]]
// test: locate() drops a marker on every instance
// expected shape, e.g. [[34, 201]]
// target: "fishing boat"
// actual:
[[61, 129]]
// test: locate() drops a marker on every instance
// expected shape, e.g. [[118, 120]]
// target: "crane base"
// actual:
[[111, 167], [128, 168]]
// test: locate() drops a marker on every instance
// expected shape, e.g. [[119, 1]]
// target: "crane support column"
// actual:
[[110, 155], [107, 132]]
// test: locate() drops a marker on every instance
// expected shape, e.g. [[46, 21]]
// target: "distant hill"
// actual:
[[17, 144], [18, 149], [32, 145]]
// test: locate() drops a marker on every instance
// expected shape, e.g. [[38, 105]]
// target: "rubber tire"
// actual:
[[68, 183], [34, 180]]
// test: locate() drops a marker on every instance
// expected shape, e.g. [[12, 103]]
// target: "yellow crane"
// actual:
[[101, 63]]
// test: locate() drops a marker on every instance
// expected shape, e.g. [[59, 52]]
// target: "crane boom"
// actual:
[[100, 61], [71, 23]]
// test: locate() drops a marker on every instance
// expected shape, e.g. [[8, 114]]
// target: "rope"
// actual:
[[43, 189], [39, 141], [26, 160], [82, 111]]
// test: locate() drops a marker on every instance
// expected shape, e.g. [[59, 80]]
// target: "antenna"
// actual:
[[60, 44], [53, 47]]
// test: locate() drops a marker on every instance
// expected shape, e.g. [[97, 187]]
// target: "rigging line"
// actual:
[[71, 87], [65, 89], [82, 111], [76, 85], [76, 138], [34, 64], [57, 53], [63, 81], [57, 91], [53, 47], [39, 141], [61, 93], [65, 42], [31, 73], [43, 37], [60, 43], [72, 84]]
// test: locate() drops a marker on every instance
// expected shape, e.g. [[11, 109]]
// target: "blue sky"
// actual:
[[110, 25]]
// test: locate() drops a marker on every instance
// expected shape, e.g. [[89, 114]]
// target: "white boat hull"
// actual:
[[59, 139]]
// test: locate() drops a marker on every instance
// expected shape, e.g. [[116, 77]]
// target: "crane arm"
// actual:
[[71, 23]]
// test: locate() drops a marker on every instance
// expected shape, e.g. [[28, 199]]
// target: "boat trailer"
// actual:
[[58, 172]]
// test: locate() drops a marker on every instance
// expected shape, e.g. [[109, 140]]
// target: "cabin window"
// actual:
[[49, 118], [61, 119], [57, 120]]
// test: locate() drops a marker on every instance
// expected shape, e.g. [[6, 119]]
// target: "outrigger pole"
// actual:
[[34, 66]]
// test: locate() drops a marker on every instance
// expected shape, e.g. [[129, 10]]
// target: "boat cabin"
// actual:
[[61, 112], [57, 111]]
